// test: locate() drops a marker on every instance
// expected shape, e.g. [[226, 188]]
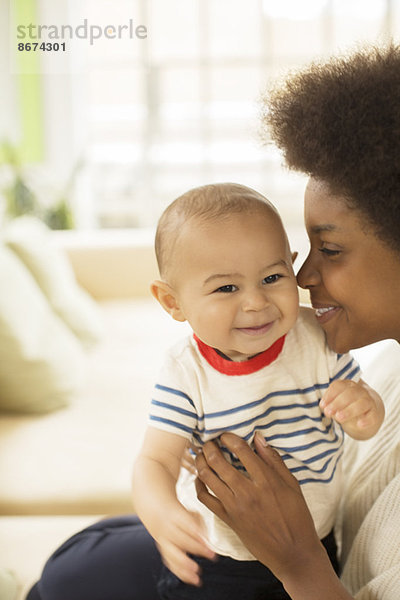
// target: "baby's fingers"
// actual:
[[334, 394], [191, 535], [346, 400], [195, 546], [188, 461], [177, 561], [358, 410]]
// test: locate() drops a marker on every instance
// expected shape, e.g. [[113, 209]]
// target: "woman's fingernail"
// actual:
[[261, 439]]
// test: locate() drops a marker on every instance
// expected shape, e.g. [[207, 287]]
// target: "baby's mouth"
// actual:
[[256, 330]]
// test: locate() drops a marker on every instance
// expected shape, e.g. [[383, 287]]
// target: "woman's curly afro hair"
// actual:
[[339, 121]]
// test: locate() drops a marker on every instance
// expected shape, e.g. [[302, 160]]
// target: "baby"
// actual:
[[256, 364]]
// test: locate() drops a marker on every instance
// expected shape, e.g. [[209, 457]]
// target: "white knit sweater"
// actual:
[[370, 519]]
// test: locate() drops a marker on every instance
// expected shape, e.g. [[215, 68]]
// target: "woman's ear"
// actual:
[[168, 299]]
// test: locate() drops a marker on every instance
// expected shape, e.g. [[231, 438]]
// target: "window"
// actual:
[[181, 108]]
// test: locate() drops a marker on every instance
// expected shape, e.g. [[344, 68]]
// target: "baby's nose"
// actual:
[[255, 300]]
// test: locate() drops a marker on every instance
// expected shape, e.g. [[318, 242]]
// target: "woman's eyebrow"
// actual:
[[325, 227]]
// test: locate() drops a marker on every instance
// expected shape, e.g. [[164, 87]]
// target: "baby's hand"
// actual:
[[188, 460], [357, 407], [183, 533]]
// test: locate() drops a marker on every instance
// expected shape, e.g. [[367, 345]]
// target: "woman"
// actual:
[[340, 124]]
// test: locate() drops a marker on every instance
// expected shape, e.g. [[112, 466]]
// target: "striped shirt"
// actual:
[[200, 394]]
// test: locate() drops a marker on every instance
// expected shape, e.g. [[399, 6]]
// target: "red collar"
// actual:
[[230, 367]]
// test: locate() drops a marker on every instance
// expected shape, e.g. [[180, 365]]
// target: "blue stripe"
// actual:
[[306, 468], [293, 420], [353, 373], [198, 439], [219, 430], [235, 461], [268, 411], [164, 388], [243, 407], [291, 434], [239, 467], [259, 416], [263, 428], [278, 394], [324, 481], [349, 365], [315, 458], [307, 446], [173, 423], [177, 409]]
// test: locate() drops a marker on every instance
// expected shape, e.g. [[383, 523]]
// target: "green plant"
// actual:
[[21, 199]]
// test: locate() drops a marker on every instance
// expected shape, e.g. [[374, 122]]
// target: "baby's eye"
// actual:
[[272, 278], [227, 289]]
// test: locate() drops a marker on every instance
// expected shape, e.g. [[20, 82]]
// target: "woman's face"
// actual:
[[352, 276]]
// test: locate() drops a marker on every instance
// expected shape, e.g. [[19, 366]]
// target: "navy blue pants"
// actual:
[[117, 559]]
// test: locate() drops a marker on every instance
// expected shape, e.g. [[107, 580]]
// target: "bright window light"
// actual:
[[182, 108], [296, 10]]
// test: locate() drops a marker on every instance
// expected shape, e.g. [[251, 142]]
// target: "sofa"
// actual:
[[69, 433]]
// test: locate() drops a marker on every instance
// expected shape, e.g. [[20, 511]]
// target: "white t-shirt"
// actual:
[[201, 394]]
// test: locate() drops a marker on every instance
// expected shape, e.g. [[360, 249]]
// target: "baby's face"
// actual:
[[235, 282]]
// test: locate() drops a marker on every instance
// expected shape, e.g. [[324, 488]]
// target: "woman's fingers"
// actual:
[[210, 501], [265, 467], [265, 507], [214, 470], [271, 458], [250, 461]]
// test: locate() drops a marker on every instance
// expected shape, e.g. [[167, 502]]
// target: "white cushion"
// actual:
[[8, 585], [40, 358], [31, 240], [79, 460]]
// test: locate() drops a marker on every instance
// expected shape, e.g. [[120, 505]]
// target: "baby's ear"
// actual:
[[168, 299]]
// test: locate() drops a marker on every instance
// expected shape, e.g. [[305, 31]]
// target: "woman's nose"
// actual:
[[308, 275]]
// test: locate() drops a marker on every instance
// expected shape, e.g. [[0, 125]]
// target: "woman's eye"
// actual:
[[272, 278], [227, 289], [329, 252]]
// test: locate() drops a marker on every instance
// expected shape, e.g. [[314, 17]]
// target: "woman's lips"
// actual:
[[257, 330], [325, 313]]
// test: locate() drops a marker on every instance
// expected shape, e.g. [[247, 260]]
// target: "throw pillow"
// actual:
[[31, 240], [41, 360]]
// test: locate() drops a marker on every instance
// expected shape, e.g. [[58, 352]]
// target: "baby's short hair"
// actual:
[[206, 203]]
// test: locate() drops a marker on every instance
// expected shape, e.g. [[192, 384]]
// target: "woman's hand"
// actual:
[[268, 512]]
